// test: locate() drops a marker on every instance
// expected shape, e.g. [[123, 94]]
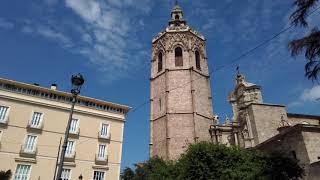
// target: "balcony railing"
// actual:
[[25, 151], [103, 136], [101, 160], [4, 121], [35, 127], [75, 132], [70, 156]]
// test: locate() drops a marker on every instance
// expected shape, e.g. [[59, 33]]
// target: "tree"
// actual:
[[207, 161], [127, 174], [5, 175], [153, 169], [310, 44]]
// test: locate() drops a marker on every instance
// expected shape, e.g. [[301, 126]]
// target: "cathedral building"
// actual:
[[182, 113], [181, 102]]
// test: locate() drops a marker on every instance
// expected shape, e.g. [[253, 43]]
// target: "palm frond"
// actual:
[[298, 17]]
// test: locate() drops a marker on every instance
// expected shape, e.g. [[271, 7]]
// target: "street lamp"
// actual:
[[77, 81]]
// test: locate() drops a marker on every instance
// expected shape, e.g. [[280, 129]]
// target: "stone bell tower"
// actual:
[[181, 102]]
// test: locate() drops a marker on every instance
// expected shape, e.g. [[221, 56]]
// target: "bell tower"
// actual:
[[181, 102]]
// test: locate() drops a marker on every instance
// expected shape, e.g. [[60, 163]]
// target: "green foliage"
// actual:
[[279, 166], [206, 161], [309, 45], [127, 174], [5, 175], [153, 169]]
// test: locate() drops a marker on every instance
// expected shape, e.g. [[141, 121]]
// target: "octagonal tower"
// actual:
[[181, 102]]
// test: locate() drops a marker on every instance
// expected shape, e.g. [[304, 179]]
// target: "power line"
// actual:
[[241, 56]]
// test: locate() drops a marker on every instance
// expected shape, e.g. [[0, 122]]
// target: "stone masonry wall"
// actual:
[[182, 113], [266, 120]]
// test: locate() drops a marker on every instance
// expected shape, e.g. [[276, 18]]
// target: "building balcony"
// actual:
[[70, 157], [34, 128], [4, 122], [74, 133], [104, 137], [101, 160], [25, 151]]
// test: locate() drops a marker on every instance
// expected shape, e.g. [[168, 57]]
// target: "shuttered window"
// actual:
[[36, 119], [98, 175], [101, 151], [30, 144], [74, 126], [22, 172], [104, 130], [70, 148], [3, 113], [65, 175]]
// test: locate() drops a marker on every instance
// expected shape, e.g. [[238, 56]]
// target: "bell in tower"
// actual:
[[180, 95]]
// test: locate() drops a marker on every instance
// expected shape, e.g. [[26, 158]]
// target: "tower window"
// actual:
[[178, 56], [198, 65], [177, 17], [159, 62]]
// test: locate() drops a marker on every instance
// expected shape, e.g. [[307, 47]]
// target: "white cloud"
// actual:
[[311, 95], [4, 24], [54, 35], [48, 32], [88, 10], [110, 44], [308, 96]]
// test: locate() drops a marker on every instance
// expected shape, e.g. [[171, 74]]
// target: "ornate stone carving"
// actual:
[[177, 38]]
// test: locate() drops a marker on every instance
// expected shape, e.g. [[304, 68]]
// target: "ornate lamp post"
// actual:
[[77, 81]]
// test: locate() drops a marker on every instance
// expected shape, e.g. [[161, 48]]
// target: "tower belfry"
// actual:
[[181, 102]]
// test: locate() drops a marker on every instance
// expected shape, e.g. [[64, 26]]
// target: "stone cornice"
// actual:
[[180, 69], [60, 96], [77, 110]]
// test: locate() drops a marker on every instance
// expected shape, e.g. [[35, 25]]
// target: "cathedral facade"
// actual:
[[182, 113]]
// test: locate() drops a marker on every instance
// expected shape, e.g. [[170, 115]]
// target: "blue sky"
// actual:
[[109, 42]]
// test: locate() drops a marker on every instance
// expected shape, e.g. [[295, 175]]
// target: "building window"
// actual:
[[66, 174], [4, 111], [160, 62], [74, 126], [36, 120], [30, 143], [197, 55], [177, 17], [98, 175], [178, 56], [22, 172], [101, 151], [104, 132], [70, 149]]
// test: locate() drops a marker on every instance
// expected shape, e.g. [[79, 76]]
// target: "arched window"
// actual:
[[177, 17], [197, 55], [159, 62], [178, 56]]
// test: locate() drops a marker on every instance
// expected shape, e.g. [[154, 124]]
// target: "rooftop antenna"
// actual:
[[176, 2]]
